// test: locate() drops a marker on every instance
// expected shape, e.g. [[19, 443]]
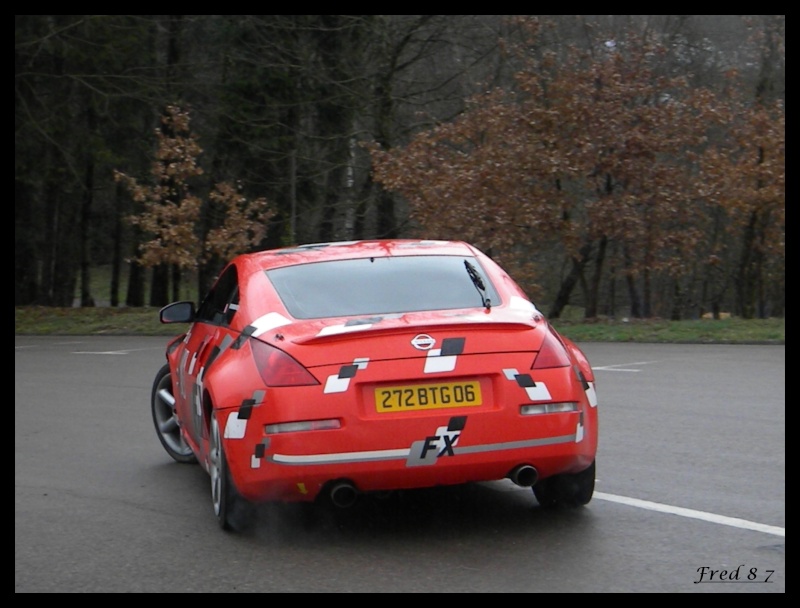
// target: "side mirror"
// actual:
[[177, 312]]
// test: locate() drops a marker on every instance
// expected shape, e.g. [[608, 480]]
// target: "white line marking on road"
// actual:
[[111, 352], [54, 344], [618, 368], [711, 517], [679, 511]]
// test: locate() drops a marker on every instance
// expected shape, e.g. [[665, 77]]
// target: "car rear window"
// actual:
[[381, 285]]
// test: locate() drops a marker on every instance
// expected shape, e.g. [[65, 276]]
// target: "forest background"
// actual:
[[626, 165]]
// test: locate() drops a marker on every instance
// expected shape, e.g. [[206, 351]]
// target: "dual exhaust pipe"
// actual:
[[344, 494]]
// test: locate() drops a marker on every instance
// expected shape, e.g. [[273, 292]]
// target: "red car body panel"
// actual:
[[360, 366]]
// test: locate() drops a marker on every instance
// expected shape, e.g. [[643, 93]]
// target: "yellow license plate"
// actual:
[[427, 396]]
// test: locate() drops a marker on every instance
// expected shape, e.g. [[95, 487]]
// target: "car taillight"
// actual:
[[552, 354], [277, 368]]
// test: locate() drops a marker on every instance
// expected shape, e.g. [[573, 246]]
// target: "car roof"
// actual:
[[341, 250]]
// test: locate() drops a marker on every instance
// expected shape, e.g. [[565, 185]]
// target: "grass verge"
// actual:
[[144, 322]]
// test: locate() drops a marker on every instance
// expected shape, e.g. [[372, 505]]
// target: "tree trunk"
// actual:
[[116, 253], [569, 282], [135, 286], [85, 218], [159, 286], [633, 295], [25, 285], [647, 289], [594, 290], [745, 284], [176, 283], [677, 302]]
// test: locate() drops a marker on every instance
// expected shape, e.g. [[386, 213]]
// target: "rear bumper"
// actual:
[[424, 453]]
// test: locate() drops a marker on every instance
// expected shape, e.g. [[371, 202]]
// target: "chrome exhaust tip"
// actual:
[[343, 495], [524, 476]]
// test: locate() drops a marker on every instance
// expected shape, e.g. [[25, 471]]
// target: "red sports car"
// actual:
[[324, 371]]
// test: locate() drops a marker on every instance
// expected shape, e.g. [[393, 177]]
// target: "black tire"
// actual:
[[234, 513], [545, 493], [568, 490], [162, 407]]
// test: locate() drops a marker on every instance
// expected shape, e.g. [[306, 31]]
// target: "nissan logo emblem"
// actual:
[[423, 342]]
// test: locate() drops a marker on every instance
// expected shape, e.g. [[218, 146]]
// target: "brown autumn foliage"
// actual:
[[746, 178], [171, 213], [618, 162]]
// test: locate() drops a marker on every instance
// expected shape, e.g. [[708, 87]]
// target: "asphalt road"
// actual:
[[690, 494]]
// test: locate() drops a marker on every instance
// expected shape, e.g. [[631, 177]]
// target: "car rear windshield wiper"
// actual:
[[478, 282]]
